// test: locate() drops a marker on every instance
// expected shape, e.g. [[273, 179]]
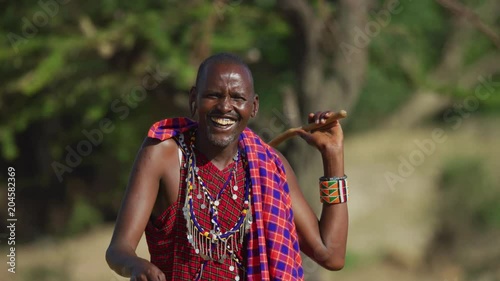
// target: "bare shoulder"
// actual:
[[159, 160], [156, 146], [154, 151], [154, 159]]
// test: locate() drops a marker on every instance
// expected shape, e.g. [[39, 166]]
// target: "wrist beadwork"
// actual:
[[333, 190]]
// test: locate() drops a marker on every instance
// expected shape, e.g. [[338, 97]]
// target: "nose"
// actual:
[[224, 104]]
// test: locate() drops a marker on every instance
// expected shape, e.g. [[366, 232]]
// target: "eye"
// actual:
[[238, 97], [212, 95]]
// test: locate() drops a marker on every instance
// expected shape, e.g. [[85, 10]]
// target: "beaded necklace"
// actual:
[[214, 244]]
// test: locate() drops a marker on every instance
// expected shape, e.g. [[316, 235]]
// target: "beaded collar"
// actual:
[[214, 244]]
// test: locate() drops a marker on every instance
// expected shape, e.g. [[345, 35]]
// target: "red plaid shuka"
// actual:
[[273, 249]]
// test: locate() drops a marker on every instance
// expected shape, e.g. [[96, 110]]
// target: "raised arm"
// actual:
[[137, 205], [325, 240]]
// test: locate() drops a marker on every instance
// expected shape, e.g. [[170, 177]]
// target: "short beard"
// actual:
[[221, 142]]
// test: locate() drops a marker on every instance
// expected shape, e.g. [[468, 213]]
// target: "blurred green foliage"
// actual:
[[83, 217], [468, 217], [405, 55], [470, 197]]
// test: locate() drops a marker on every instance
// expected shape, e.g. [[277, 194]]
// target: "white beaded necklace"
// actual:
[[213, 244]]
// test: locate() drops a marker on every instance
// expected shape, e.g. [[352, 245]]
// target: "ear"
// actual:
[[192, 100], [255, 109]]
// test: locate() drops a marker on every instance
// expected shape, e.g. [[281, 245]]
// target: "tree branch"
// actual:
[[472, 17], [449, 67], [487, 65]]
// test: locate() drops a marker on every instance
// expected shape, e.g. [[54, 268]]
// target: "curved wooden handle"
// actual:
[[309, 127]]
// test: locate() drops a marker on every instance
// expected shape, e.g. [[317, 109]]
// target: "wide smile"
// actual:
[[224, 123]]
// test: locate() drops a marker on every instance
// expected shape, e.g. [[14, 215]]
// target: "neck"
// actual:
[[219, 156]]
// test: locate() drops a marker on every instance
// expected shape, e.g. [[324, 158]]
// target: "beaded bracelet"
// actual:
[[333, 190], [332, 178]]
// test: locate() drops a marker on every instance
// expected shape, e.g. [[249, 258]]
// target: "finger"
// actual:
[[317, 117], [324, 116], [136, 278], [156, 275], [329, 126], [310, 118]]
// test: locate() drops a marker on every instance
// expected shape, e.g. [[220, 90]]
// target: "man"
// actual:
[[217, 203]]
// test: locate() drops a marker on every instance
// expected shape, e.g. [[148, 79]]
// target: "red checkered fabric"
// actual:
[[273, 250], [166, 235]]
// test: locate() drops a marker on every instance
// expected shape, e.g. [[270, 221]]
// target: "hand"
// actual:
[[146, 271], [327, 139]]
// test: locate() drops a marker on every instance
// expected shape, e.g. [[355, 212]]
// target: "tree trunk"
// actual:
[[327, 79]]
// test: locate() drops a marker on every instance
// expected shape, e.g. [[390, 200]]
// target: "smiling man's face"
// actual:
[[225, 101]]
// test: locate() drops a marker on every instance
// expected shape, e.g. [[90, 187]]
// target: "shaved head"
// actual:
[[220, 58]]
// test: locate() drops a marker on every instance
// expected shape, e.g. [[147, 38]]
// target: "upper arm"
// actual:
[[306, 221], [141, 192]]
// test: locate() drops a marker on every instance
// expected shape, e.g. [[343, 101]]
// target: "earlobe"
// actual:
[[192, 101], [192, 108], [255, 106]]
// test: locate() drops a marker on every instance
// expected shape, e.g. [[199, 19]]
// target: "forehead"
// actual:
[[226, 74]]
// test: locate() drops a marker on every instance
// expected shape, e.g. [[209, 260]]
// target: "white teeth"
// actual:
[[223, 121]]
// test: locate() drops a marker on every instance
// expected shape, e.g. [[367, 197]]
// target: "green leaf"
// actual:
[[46, 72]]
